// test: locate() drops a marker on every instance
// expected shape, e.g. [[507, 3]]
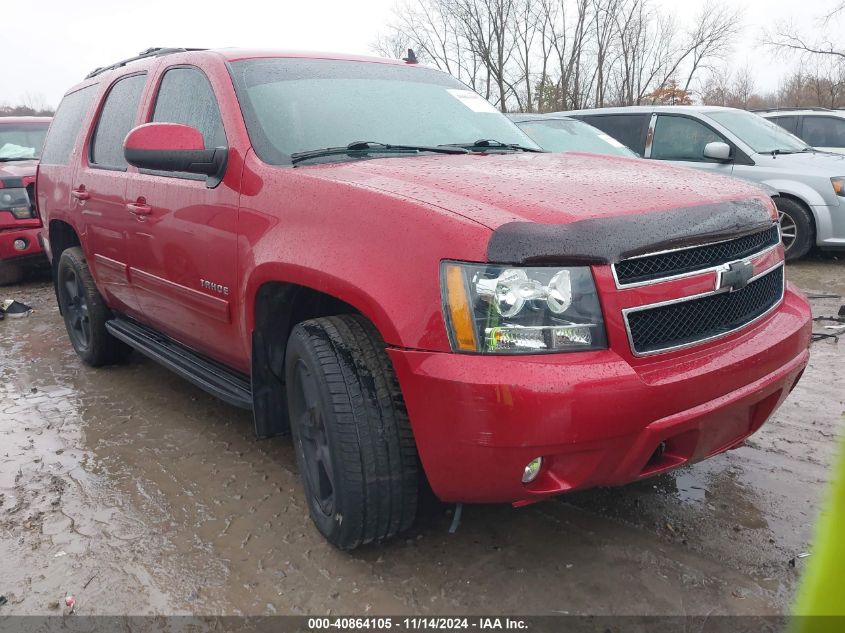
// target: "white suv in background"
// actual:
[[822, 128], [810, 183]]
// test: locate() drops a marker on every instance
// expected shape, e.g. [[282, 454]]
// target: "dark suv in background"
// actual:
[[21, 139]]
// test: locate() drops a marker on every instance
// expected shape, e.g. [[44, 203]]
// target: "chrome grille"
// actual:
[[651, 268], [676, 324]]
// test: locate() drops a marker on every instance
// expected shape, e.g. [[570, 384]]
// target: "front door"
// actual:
[[184, 267], [681, 139]]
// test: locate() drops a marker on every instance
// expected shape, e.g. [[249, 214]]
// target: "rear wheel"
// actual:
[[796, 228], [85, 312], [10, 273], [354, 445]]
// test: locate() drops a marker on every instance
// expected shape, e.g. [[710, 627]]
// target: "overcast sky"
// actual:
[[49, 45]]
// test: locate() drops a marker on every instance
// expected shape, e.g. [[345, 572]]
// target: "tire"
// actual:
[[10, 273], [354, 446], [796, 228], [85, 312]]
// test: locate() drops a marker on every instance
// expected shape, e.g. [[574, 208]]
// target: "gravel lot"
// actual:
[[137, 493]]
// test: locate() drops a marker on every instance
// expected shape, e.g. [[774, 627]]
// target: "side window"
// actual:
[[116, 119], [185, 96], [681, 138], [628, 129], [824, 131], [788, 123], [65, 126]]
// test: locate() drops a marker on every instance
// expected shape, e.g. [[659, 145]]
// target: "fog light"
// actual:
[[532, 469], [20, 245]]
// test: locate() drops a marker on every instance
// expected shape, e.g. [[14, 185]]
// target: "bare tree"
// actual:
[[715, 28], [562, 54]]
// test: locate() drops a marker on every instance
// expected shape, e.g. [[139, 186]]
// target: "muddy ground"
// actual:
[[137, 493]]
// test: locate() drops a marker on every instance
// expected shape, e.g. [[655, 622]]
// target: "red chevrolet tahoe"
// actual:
[[21, 139], [366, 253]]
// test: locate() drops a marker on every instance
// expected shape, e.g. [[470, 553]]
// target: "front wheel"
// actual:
[[796, 228], [354, 446]]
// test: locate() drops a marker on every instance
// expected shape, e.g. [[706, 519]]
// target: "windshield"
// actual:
[[567, 135], [297, 105], [21, 141], [759, 134]]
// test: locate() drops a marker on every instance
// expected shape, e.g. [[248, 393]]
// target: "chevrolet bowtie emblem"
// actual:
[[734, 276]]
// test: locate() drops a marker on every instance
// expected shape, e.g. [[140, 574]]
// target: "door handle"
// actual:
[[80, 193], [139, 208]]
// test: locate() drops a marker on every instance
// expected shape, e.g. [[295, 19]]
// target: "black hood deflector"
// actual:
[[609, 240]]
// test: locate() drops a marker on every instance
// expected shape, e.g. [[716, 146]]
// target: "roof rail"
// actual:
[[150, 52], [792, 109]]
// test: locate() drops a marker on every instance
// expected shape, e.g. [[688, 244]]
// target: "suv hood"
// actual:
[[495, 189], [18, 169], [811, 163]]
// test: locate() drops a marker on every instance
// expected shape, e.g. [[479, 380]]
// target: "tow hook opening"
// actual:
[[657, 455]]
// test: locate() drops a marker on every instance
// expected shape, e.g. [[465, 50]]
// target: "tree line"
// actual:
[[550, 55], [546, 55], [31, 104]]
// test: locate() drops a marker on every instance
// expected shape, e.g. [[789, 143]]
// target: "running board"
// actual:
[[216, 379]]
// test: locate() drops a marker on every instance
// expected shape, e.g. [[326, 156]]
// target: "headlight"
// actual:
[[838, 186], [16, 200], [494, 309]]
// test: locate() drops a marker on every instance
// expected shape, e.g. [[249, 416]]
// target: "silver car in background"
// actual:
[[810, 184]]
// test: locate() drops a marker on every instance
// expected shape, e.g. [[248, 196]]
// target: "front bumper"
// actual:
[[29, 235], [595, 418], [830, 226]]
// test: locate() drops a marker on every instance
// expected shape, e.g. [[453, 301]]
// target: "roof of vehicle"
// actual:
[[24, 120], [646, 109], [801, 111], [236, 54], [521, 117]]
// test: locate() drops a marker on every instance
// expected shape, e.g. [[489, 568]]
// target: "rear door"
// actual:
[[629, 129], [185, 257], [99, 192], [680, 140], [60, 155], [824, 132]]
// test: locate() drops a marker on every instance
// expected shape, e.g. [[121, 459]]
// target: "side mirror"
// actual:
[[718, 151], [174, 147]]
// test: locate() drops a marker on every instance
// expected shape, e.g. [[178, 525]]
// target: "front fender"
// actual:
[[799, 190], [378, 252]]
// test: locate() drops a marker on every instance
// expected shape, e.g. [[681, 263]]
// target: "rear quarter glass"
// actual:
[[65, 126]]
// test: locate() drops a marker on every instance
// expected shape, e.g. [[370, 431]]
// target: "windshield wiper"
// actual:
[[372, 146], [776, 152], [485, 143], [8, 159]]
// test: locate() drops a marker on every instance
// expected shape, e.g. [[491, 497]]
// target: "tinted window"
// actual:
[[185, 96], [295, 105], [788, 123], [824, 131], [116, 119], [628, 129], [568, 135], [65, 126], [680, 138]]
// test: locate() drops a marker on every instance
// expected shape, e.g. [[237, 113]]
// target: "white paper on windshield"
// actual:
[[611, 140], [473, 101]]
